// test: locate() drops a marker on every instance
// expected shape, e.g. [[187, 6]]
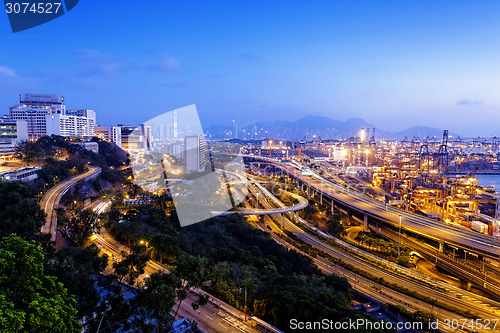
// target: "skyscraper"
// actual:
[[46, 114], [234, 130], [195, 153]]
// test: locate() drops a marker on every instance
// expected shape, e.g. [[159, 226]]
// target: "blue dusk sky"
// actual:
[[396, 64]]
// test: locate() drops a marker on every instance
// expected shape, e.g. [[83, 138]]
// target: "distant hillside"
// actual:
[[305, 127], [319, 127], [422, 132]]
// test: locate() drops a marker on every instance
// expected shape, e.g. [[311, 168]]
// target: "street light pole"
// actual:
[[245, 304], [399, 245]]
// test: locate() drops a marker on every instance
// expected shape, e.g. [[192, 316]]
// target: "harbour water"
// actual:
[[489, 180]]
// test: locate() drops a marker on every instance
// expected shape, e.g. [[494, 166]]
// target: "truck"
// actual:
[[479, 227]]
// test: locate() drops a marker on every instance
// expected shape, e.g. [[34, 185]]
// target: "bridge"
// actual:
[[373, 213]]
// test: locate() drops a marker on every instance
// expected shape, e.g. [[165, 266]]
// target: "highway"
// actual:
[[455, 297], [302, 203], [417, 224], [216, 316], [51, 199]]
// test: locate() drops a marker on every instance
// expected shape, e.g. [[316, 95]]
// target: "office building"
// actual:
[[69, 126], [109, 134], [234, 130], [137, 138], [37, 109], [82, 113], [11, 133], [195, 153], [40, 100]]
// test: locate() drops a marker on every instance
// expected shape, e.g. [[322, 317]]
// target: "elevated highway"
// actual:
[[372, 211], [302, 203], [51, 199]]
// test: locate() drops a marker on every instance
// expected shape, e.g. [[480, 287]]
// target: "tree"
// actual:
[[79, 226], [192, 271], [28, 151], [77, 269], [19, 213], [132, 265], [157, 298], [30, 300], [335, 227]]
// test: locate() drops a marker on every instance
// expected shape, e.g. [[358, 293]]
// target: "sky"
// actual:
[[396, 64]]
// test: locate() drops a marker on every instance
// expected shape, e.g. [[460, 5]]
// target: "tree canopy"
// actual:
[[19, 213], [30, 300]]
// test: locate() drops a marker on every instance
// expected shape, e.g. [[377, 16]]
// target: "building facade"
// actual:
[[195, 153], [109, 134], [69, 126], [47, 114], [11, 133]]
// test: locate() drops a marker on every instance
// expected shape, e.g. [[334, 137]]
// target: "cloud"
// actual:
[[8, 71], [92, 63], [165, 63], [466, 102], [250, 57], [10, 80]]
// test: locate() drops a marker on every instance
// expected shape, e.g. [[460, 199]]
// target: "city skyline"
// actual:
[[393, 65]]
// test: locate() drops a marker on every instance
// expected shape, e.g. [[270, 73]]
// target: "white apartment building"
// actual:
[[70, 126], [46, 114], [35, 117]]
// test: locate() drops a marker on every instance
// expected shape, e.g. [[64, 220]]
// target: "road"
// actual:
[[452, 296], [216, 316], [51, 199], [417, 224]]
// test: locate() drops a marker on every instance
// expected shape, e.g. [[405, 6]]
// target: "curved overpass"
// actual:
[[300, 205], [51, 199], [479, 243]]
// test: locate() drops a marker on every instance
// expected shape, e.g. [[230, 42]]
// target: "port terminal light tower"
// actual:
[[496, 226]]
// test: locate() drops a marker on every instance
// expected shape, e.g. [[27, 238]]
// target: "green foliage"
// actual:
[[233, 255], [389, 247], [335, 227], [55, 169], [28, 151], [132, 266], [19, 213], [157, 299], [79, 226], [319, 298], [30, 300], [77, 268], [418, 316]]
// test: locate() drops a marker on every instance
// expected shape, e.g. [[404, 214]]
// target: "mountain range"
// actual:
[[310, 127]]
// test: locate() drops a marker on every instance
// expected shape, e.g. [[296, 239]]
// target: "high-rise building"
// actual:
[[82, 113], [35, 116], [46, 114], [37, 100], [110, 134], [69, 126], [195, 153], [147, 134], [234, 130], [11, 133], [134, 138]]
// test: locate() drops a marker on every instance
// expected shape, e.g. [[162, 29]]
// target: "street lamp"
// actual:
[[399, 245], [245, 303]]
